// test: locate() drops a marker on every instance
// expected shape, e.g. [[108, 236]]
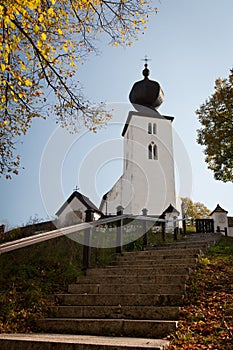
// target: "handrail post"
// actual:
[[87, 241], [119, 230], [144, 228], [184, 225], [176, 233], [163, 224], [175, 228]]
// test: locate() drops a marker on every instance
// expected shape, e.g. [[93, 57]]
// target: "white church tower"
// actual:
[[148, 175]]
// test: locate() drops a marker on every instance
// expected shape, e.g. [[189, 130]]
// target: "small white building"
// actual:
[[148, 179], [73, 211], [222, 221], [171, 215]]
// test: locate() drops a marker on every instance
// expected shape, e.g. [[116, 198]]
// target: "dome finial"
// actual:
[[146, 71], [146, 92]]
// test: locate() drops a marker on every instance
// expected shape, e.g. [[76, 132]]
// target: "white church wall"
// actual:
[[155, 178], [145, 183], [220, 220], [120, 194]]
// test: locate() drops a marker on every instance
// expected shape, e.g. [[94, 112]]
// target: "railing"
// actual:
[[116, 231]]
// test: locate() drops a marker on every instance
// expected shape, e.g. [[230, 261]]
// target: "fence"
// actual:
[[204, 225], [115, 232]]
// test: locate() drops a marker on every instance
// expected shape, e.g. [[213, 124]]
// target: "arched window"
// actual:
[[154, 128], [149, 128], [152, 151], [155, 152]]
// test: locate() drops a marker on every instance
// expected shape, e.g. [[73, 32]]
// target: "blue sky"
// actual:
[[190, 45]]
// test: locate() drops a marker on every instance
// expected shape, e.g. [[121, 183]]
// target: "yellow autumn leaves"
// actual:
[[42, 43]]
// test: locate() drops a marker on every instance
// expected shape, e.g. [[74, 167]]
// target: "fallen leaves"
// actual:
[[206, 319]]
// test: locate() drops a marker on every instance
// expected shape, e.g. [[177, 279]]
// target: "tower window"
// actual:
[[154, 128], [149, 128], [152, 151]]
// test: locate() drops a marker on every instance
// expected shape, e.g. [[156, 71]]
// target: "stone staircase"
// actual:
[[131, 304]]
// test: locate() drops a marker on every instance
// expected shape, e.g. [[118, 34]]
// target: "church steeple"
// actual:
[[146, 92]]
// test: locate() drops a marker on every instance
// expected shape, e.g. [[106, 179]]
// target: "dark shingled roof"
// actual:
[[83, 199], [170, 209], [218, 209]]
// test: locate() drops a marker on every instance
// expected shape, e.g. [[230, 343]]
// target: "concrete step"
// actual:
[[141, 271], [156, 261], [77, 342], [108, 327], [129, 279], [119, 299], [198, 244], [167, 253], [126, 288], [119, 311]]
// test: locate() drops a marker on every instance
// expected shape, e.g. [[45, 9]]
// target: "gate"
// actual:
[[204, 225]]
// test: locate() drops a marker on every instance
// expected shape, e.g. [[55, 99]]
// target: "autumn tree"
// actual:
[[42, 44], [215, 134], [194, 210]]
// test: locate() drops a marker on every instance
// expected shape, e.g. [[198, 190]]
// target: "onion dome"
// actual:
[[146, 92]]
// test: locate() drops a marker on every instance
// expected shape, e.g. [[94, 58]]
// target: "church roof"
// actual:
[[171, 209], [218, 209], [83, 199]]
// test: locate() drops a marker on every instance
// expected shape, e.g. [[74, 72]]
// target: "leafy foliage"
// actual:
[[194, 210], [42, 44], [216, 117], [207, 316]]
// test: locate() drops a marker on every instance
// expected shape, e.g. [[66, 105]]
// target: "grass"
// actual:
[[206, 319], [28, 275]]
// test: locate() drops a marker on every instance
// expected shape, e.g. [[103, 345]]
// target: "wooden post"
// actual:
[[225, 230], [175, 228], [144, 228], [176, 233], [184, 225], [119, 230], [87, 241], [163, 224]]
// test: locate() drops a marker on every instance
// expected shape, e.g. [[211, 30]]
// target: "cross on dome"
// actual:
[[146, 71], [146, 59]]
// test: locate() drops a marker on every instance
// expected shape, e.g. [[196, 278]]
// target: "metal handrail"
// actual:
[[45, 236]]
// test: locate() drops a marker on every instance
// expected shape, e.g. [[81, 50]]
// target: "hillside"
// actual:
[[29, 275]]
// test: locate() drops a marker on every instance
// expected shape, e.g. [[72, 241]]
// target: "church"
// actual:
[[148, 179]]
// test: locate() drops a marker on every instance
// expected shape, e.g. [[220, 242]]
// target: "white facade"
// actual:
[[73, 212], [222, 221], [148, 175]]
